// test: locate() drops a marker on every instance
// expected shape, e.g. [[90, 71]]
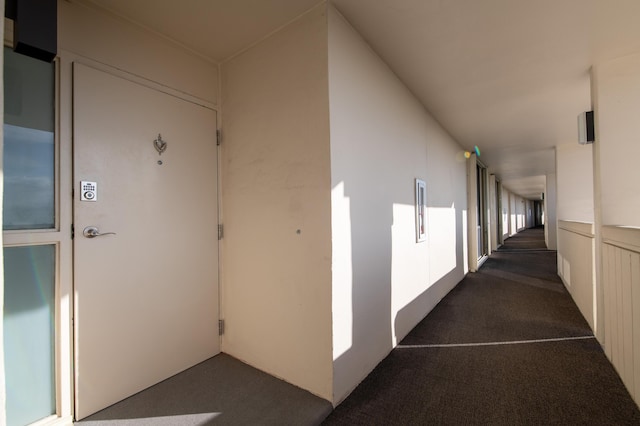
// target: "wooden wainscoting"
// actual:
[[576, 252], [621, 284]]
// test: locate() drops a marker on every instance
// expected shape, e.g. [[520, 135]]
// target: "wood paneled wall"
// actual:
[[621, 284], [576, 252]]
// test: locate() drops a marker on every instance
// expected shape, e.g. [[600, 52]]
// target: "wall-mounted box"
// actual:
[[586, 130]]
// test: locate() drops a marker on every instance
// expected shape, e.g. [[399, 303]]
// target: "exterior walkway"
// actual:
[[507, 346]]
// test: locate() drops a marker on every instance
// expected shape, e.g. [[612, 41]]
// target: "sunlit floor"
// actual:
[[219, 391]]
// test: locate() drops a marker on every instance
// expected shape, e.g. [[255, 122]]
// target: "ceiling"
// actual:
[[507, 76]]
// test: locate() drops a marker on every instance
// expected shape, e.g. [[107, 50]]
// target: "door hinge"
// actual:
[[218, 137], [220, 327], [73, 231], [220, 232]]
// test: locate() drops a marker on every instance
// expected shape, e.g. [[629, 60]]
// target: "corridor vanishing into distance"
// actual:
[[507, 346]]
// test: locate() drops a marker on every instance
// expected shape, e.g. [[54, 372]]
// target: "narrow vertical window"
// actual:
[[29, 147], [29, 268], [29, 279], [421, 211]]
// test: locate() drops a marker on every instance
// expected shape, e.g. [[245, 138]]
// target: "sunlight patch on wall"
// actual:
[[417, 266], [409, 263], [342, 271], [442, 241]]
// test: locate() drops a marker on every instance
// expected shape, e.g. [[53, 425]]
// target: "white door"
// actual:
[[146, 297]]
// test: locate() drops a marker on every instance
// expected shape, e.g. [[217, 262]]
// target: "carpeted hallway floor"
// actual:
[[507, 346]]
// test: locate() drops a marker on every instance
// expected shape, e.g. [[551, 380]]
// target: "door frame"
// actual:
[[87, 84], [65, 349], [60, 237], [478, 213], [483, 212]]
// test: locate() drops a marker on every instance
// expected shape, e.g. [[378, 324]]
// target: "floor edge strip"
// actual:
[[514, 342]]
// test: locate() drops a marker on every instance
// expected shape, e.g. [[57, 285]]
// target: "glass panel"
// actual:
[[29, 333], [29, 154]]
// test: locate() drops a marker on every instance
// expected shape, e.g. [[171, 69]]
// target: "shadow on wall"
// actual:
[[383, 303], [369, 338], [413, 312]]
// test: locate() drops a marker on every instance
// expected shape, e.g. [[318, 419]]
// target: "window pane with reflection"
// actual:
[[29, 279], [29, 147]]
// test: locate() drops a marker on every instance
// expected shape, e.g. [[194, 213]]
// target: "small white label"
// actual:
[[88, 191]]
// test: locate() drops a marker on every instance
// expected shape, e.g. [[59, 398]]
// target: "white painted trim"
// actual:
[[624, 237], [54, 421], [597, 211], [139, 79], [421, 210], [3, 414], [493, 198], [64, 323], [472, 207], [513, 342], [60, 237], [581, 228]]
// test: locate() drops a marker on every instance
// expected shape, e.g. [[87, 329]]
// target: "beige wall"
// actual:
[[505, 213], [550, 221], [381, 140], [85, 31], [576, 234], [520, 214], [574, 173], [276, 274], [616, 96], [513, 213]]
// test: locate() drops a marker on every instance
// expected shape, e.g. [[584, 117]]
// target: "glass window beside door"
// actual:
[[29, 144], [28, 166]]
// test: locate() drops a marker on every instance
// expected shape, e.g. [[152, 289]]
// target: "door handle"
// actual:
[[93, 231]]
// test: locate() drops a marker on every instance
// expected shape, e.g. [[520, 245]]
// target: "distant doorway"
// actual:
[[538, 216], [481, 212]]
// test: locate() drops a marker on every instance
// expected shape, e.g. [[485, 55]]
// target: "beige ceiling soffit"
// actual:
[[268, 35], [406, 86], [92, 5]]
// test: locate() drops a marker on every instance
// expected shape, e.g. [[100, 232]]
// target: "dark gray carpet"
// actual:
[[507, 378], [530, 239], [219, 391]]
